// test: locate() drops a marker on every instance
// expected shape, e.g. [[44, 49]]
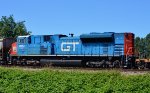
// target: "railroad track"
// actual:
[[78, 68]]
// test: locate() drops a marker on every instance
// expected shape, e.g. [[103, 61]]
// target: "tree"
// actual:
[[10, 28], [142, 49], [142, 46], [147, 38], [137, 45]]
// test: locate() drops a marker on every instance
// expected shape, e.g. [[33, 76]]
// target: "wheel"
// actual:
[[116, 64]]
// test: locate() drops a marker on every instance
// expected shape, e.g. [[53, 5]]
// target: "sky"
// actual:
[[80, 16]]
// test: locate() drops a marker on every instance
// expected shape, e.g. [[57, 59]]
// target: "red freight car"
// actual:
[[5, 45]]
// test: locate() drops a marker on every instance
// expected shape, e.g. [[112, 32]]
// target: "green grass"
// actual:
[[14, 80]]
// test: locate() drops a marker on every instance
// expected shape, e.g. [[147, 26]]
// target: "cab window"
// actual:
[[22, 41]]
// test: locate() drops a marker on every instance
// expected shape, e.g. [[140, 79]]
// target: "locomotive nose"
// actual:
[[13, 50]]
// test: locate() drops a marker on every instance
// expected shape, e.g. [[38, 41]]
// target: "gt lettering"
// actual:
[[68, 46]]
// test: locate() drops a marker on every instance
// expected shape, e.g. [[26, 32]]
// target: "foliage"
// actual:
[[10, 28], [142, 46], [48, 81]]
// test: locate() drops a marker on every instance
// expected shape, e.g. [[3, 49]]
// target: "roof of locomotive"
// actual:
[[92, 34], [74, 37], [23, 36]]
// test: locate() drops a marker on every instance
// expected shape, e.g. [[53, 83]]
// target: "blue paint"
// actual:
[[100, 44]]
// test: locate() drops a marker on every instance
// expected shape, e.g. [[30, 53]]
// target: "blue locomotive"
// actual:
[[106, 49]]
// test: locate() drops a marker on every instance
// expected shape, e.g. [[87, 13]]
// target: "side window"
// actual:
[[22, 41]]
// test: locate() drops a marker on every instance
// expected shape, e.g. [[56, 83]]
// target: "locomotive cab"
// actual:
[[22, 44]]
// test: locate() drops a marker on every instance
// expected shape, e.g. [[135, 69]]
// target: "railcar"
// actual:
[[106, 49], [5, 45]]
